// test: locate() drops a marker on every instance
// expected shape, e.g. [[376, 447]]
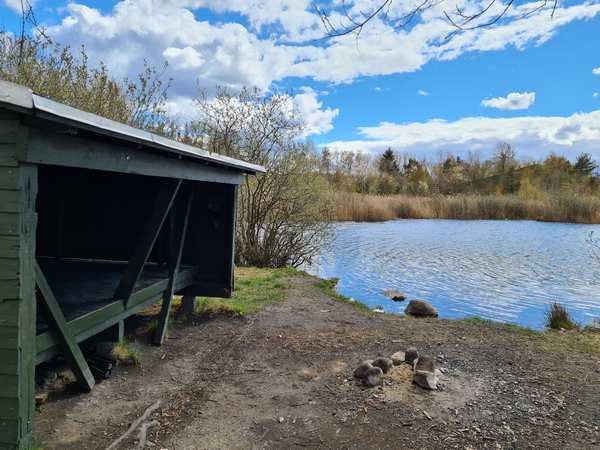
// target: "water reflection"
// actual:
[[503, 270]]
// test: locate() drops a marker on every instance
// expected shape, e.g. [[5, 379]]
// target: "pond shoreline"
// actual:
[[282, 377], [508, 271]]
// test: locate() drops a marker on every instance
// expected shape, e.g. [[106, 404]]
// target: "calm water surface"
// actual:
[[502, 270]]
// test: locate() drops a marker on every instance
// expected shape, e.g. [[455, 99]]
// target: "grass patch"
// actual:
[[127, 353], [559, 318], [507, 326], [328, 288], [254, 289], [576, 340], [583, 341]]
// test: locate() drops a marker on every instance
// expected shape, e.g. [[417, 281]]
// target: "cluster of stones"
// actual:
[[370, 372]]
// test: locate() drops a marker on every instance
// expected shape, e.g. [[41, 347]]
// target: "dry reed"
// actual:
[[375, 208]]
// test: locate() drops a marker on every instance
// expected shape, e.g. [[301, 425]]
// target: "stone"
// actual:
[[398, 358], [374, 377], [420, 308], [424, 373], [395, 295], [361, 371], [385, 364], [41, 399], [411, 355]]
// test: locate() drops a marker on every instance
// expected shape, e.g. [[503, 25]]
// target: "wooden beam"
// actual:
[[94, 322], [177, 241], [48, 147], [163, 204], [55, 316]]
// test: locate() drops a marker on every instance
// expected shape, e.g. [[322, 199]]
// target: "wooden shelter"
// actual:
[[97, 221]]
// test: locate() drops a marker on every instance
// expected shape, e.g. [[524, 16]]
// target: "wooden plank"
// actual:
[[10, 361], [231, 242], [55, 315], [9, 386], [9, 312], [8, 125], [9, 338], [9, 408], [71, 151], [9, 432], [10, 201], [27, 314], [9, 289], [146, 241], [9, 246], [9, 178], [10, 223], [9, 268], [94, 322], [8, 155], [176, 244]]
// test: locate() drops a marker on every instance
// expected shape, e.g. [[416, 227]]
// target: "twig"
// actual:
[[134, 425]]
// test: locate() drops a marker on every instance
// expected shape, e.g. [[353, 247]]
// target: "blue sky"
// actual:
[[529, 81]]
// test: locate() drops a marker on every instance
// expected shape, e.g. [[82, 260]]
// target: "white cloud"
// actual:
[[231, 54], [530, 134], [596, 71], [512, 102], [595, 95], [317, 120], [422, 93], [15, 5], [278, 43]]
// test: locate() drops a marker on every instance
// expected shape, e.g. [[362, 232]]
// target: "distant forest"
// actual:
[[503, 174]]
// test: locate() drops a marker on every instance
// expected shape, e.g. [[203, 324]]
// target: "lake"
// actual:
[[509, 271]]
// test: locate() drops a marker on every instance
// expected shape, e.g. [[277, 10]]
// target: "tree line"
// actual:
[[502, 174]]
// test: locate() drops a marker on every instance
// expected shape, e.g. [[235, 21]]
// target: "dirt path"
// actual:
[[283, 379]]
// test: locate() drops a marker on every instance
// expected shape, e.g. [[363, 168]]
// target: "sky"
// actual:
[[532, 80]]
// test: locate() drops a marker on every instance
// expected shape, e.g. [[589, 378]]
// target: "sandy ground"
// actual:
[[282, 379]]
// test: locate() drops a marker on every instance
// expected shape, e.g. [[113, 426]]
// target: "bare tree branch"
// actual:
[[349, 22]]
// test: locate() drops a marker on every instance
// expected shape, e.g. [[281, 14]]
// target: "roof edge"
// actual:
[[23, 97]]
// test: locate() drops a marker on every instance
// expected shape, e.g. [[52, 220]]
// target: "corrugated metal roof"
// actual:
[[23, 98]]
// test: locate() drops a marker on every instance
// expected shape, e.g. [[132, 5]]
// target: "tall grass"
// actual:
[[558, 318], [373, 208]]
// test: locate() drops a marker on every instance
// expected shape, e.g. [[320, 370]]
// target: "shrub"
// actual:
[[558, 318]]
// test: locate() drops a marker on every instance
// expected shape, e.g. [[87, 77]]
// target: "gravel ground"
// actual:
[[282, 378]]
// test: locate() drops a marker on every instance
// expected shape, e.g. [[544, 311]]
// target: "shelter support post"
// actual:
[[176, 242], [18, 222], [59, 324], [147, 239]]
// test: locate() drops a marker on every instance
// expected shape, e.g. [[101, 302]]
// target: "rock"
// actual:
[[395, 295], [361, 371], [411, 355], [374, 377], [41, 398], [398, 358], [424, 373], [385, 364], [420, 308]]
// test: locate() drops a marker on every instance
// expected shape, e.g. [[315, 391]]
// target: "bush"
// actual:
[[558, 318]]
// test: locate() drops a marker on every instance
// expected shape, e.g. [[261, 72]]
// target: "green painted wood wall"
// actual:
[[18, 189]]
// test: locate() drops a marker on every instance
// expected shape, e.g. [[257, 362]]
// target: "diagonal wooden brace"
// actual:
[[59, 324], [163, 204], [177, 241]]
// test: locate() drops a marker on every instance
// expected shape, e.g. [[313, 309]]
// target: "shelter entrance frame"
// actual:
[[27, 145]]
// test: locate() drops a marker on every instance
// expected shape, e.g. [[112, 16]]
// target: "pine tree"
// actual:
[[388, 164], [585, 165]]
